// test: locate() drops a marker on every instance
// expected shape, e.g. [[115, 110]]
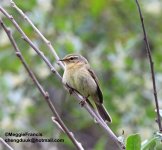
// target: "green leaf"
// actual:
[[149, 144], [133, 142]]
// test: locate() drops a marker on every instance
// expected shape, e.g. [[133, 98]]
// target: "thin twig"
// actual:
[[38, 85], [6, 144], [24, 36], [79, 97], [54, 119], [151, 65], [47, 42]]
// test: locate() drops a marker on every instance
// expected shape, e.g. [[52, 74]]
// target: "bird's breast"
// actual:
[[81, 80]]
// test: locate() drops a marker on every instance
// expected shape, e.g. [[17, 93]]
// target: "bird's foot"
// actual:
[[70, 89], [82, 102]]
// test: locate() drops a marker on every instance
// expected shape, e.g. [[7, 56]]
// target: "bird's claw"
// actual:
[[71, 91], [82, 102]]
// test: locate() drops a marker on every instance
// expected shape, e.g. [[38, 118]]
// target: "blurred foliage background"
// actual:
[[109, 34]]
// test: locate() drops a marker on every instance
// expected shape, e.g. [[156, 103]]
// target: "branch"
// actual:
[[151, 65], [40, 53], [97, 117], [47, 42], [40, 88], [6, 144]]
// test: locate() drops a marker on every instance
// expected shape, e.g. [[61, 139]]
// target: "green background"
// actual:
[[109, 34]]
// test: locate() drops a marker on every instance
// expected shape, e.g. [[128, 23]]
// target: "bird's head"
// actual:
[[74, 59]]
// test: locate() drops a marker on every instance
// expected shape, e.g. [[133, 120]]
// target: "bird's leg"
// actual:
[[82, 102], [71, 90]]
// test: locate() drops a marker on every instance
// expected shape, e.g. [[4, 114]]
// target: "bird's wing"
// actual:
[[100, 96]]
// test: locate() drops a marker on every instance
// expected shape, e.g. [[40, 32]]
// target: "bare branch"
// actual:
[[6, 144], [38, 85], [47, 42], [151, 65], [24, 36]]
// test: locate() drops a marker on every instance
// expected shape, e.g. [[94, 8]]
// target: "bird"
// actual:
[[79, 76]]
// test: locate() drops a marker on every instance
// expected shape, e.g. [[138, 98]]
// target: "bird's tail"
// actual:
[[104, 114]]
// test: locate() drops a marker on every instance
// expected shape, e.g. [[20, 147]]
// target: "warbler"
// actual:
[[79, 76]]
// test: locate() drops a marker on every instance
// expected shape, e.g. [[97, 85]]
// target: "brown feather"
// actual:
[[99, 93], [104, 114]]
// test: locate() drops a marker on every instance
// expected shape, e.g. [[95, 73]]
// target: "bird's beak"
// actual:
[[63, 60]]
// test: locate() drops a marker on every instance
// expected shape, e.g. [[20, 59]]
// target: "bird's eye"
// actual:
[[71, 58]]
